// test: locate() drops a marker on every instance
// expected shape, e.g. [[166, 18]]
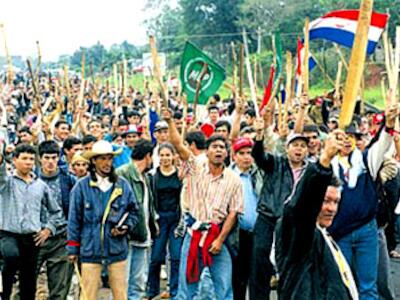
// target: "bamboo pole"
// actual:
[[305, 68], [288, 89], [357, 62], [241, 70], [338, 80], [342, 58], [157, 71], [249, 74], [198, 88], [10, 75]]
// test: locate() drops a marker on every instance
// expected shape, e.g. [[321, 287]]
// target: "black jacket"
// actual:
[[278, 181], [305, 263]]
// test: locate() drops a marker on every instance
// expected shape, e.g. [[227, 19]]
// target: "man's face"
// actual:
[[131, 139], [243, 158], [49, 162], [70, 153], [122, 129], [314, 144], [80, 168], [25, 137], [217, 153], [329, 207], [24, 163], [88, 146], [332, 125], [214, 115], [62, 132], [222, 130], [349, 144], [96, 130], [179, 124], [103, 164], [249, 120], [361, 143], [134, 120], [297, 151], [161, 136]]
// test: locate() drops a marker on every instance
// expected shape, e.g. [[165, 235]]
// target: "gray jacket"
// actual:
[[23, 205]]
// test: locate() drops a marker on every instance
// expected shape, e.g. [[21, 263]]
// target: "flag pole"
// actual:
[[289, 70], [157, 71], [241, 70], [306, 55], [356, 66], [10, 74]]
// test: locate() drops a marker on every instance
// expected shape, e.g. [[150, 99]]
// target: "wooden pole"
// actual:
[[249, 74], [157, 71], [306, 55], [342, 58], [241, 70], [10, 75], [39, 62], [288, 89], [234, 59], [338, 80], [356, 66], [83, 61]]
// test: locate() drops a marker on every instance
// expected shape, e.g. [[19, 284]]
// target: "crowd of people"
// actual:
[[114, 185]]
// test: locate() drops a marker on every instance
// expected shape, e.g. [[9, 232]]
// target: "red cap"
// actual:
[[242, 143]]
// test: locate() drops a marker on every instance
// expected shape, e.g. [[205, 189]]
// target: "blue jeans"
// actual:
[[360, 248], [220, 270], [167, 223], [138, 267]]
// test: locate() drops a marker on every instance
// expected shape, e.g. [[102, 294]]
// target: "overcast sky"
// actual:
[[62, 26]]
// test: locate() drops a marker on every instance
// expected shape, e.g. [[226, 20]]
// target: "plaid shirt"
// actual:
[[24, 206], [208, 198]]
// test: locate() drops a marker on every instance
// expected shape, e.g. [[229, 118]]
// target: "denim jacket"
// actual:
[[89, 228]]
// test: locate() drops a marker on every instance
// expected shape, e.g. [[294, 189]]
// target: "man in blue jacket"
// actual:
[[103, 209], [354, 228]]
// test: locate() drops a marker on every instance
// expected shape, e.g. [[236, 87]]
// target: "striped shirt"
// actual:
[[210, 198]]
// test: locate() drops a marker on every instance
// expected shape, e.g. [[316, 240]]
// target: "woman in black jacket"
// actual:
[[167, 187]]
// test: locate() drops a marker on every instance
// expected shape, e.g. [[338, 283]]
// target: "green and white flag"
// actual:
[[193, 61]]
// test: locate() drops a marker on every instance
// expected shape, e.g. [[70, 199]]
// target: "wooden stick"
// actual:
[[198, 87], [115, 77], [241, 70], [326, 75], [249, 74], [35, 90], [288, 89], [356, 66], [78, 274], [234, 68], [39, 62], [387, 58], [157, 71], [306, 55], [10, 74], [261, 73], [83, 61], [383, 88], [395, 69], [342, 58], [338, 79]]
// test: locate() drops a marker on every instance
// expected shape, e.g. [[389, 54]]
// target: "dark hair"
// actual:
[[213, 107], [61, 122], [25, 129], [113, 177], [250, 112], [48, 147], [132, 113], [87, 139], [311, 128], [115, 135], [70, 142], [122, 122], [214, 138], [178, 115], [141, 149], [223, 123], [198, 138], [95, 120], [24, 148], [217, 97], [166, 146]]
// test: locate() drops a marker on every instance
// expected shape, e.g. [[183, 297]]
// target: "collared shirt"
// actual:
[[249, 216], [211, 198], [23, 205], [103, 183]]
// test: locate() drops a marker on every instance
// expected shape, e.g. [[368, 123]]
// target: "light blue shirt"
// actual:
[[249, 216]]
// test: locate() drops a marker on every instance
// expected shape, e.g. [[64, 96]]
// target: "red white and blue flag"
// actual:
[[340, 27], [300, 57]]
